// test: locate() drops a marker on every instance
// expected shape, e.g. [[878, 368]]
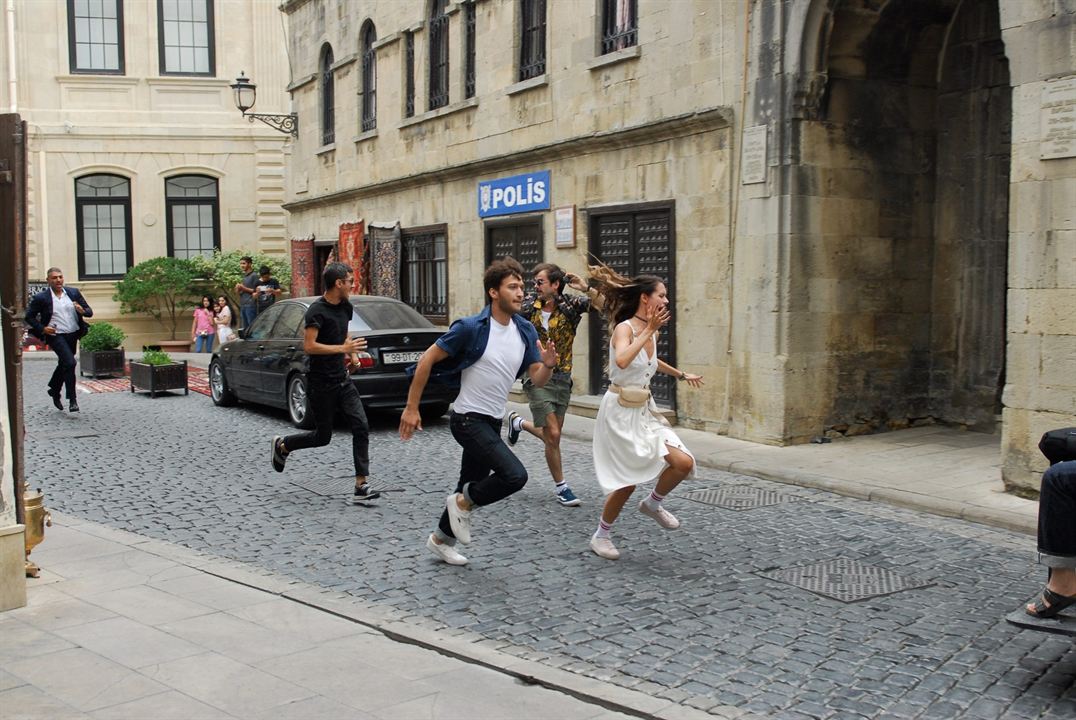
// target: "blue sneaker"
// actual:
[[513, 434], [567, 498]]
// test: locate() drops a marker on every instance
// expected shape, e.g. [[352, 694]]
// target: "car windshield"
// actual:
[[385, 316]]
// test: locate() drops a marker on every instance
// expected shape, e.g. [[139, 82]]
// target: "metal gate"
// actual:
[[521, 240], [13, 281], [636, 243]]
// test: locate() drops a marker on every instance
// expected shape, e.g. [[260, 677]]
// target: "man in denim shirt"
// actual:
[[483, 354]]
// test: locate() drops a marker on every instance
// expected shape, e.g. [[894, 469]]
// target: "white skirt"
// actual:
[[630, 445]]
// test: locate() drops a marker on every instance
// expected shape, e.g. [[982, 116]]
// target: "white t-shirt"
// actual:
[[484, 386], [545, 318], [64, 317]]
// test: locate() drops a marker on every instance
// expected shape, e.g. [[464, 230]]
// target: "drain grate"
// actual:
[[846, 580], [738, 497], [65, 435], [336, 486]]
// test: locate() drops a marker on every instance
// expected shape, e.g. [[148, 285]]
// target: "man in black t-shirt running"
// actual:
[[333, 354]]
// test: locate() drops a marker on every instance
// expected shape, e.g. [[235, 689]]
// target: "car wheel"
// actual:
[[429, 413], [218, 386], [298, 403]]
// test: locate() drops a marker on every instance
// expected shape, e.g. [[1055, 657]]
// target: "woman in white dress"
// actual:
[[224, 320], [632, 445]]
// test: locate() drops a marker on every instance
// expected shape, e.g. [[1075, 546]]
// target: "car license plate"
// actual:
[[401, 357]]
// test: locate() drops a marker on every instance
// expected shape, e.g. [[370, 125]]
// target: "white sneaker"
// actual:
[[446, 552], [459, 520], [604, 547], [665, 518]]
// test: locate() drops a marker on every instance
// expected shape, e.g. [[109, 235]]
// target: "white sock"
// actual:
[[562, 486], [517, 423], [603, 529], [654, 501]]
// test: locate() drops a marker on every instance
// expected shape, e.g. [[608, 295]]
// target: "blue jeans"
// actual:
[[489, 471], [248, 313], [203, 341], [1057, 508]]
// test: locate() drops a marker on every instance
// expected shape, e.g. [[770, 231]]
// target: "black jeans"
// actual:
[[1057, 516], [323, 399], [488, 471], [65, 345]]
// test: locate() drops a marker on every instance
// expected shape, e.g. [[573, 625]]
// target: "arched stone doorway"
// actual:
[[893, 139]]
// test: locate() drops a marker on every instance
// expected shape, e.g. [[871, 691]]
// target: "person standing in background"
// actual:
[[203, 329], [246, 289], [268, 289]]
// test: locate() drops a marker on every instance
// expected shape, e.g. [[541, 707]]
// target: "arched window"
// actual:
[[532, 39], [369, 77], [438, 54], [328, 101], [193, 215], [103, 226]]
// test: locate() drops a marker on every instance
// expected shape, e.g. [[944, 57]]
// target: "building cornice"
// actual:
[[644, 133]]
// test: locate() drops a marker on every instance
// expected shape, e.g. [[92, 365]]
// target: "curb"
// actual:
[[459, 644]]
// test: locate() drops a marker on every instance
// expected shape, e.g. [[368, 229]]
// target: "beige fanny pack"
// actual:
[[631, 396]]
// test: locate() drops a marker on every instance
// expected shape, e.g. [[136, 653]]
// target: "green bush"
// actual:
[[156, 357], [102, 336], [220, 274], [162, 287]]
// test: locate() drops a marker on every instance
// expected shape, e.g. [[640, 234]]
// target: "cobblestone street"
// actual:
[[697, 616]]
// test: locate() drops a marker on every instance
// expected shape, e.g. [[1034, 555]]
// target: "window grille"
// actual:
[[469, 68], [328, 98], [424, 277], [369, 78], [619, 25], [438, 28], [532, 39]]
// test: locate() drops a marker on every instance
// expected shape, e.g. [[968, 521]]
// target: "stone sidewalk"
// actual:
[[123, 627]]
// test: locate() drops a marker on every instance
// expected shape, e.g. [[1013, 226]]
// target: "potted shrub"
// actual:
[[100, 351], [161, 287], [157, 372]]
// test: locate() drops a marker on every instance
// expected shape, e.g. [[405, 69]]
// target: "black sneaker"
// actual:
[[278, 457], [73, 406], [364, 492], [513, 434]]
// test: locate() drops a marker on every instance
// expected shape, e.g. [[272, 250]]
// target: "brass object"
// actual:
[[37, 518]]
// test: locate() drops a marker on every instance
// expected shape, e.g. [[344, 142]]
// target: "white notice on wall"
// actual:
[[1058, 117], [753, 156]]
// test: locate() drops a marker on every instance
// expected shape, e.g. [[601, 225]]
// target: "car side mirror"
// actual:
[[243, 333]]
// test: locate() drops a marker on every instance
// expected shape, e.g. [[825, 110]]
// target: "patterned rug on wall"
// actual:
[[197, 381]]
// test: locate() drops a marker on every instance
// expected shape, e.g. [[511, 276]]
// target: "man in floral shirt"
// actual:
[[556, 317]]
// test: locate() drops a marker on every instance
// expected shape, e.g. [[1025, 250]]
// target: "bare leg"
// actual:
[[1062, 581], [614, 503], [533, 429], [680, 466], [551, 437]]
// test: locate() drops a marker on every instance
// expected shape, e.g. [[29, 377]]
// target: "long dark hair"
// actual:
[[212, 304], [231, 315], [621, 294]]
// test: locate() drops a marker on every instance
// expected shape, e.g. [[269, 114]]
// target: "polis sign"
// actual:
[[515, 194]]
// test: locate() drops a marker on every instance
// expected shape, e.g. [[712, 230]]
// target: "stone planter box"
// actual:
[[101, 362], [158, 378]]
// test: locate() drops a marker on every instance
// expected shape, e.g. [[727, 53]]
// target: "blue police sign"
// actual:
[[516, 194]]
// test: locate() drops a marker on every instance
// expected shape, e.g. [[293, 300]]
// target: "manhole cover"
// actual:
[[846, 580], [738, 497], [65, 435]]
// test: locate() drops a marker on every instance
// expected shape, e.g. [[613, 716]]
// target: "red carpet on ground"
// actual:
[[197, 381]]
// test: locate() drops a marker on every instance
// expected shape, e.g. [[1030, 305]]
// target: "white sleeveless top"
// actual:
[[640, 370]]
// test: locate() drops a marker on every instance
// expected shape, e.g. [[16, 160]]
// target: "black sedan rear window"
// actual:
[[385, 316]]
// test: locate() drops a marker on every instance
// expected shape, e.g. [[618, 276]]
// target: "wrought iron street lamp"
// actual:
[[246, 93]]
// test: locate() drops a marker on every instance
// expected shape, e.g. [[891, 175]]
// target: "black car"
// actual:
[[266, 364]]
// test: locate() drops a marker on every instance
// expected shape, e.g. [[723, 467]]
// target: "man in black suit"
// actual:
[[56, 316]]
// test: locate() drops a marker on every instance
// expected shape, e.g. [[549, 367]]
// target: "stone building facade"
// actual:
[[135, 146], [864, 208]]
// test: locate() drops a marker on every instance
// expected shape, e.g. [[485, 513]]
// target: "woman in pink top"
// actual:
[[203, 327]]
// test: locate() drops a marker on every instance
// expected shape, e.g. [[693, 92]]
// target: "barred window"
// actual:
[[409, 75], [328, 98], [424, 272], [185, 37], [193, 215], [469, 50], [103, 226], [532, 40], [438, 26], [369, 77], [95, 36], [619, 25]]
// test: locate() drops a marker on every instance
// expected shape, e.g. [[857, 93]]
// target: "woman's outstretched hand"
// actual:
[[693, 380]]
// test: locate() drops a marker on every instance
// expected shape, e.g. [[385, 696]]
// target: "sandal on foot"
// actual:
[[1050, 604]]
